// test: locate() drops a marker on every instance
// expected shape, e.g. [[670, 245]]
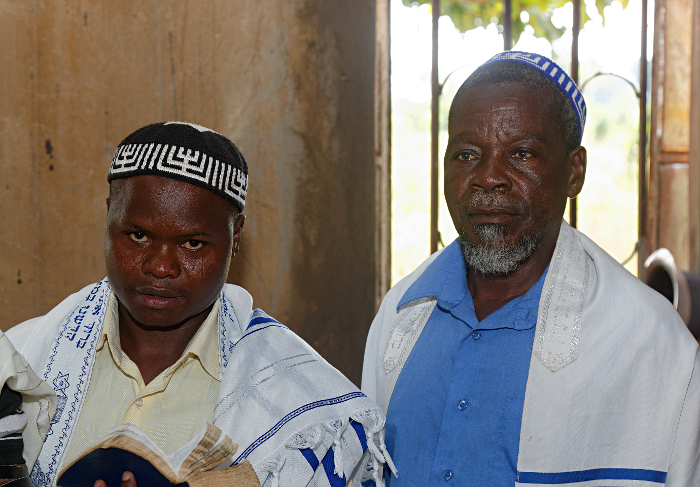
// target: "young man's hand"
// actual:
[[128, 480]]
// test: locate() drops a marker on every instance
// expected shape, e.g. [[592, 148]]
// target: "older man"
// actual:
[[523, 354], [164, 344]]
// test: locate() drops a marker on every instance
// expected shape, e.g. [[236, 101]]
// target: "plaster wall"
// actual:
[[291, 82]]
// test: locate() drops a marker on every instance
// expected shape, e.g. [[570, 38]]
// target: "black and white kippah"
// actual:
[[187, 152]]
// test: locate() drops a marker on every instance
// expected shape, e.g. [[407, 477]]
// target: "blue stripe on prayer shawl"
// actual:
[[593, 474], [310, 457], [259, 316], [297, 412], [261, 319], [250, 333], [313, 460], [329, 467], [360, 431]]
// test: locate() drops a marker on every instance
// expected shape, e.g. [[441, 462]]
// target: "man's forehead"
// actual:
[[157, 202], [504, 102]]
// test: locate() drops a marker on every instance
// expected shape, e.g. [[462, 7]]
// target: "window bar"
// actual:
[[642, 222], [507, 25], [434, 133], [574, 75]]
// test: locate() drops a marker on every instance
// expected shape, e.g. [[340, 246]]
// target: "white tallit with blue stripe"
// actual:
[[613, 390], [294, 417]]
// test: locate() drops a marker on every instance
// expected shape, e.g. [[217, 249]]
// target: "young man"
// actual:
[[523, 354], [163, 343]]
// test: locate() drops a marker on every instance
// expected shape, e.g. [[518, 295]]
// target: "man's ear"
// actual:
[[237, 233], [577, 171]]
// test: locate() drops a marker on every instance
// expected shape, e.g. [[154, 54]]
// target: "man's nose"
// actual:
[[491, 174], [162, 262]]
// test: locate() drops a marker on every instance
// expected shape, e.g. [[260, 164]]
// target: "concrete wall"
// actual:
[[291, 82]]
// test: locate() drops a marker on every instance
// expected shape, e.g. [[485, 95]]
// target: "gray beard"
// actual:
[[492, 255]]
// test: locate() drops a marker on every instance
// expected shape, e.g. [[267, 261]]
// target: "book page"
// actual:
[[208, 450]]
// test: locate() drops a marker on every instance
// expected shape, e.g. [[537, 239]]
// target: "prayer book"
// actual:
[[203, 462]]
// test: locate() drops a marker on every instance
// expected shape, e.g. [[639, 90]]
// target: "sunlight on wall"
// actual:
[[608, 204]]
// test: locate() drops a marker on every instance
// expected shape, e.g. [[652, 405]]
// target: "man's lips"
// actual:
[[158, 298], [491, 215]]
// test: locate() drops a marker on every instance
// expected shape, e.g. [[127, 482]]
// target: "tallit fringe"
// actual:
[[272, 466], [373, 467], [312, 437]]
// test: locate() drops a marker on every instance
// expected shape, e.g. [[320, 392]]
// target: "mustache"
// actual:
[[491, 199]]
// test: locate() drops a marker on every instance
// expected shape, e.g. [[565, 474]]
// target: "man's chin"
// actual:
[[496, 256], [149, 318]]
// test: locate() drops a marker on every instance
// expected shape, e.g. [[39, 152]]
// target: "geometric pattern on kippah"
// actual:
[[554, 72], [184, 164]]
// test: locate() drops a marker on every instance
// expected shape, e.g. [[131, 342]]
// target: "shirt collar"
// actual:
[[446, 279], [204, 345]]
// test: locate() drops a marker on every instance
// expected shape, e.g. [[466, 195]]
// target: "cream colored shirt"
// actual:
[[171, 409]]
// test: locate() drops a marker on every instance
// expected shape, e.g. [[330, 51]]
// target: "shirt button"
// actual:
[[138, 403], [447, 474], [462, 405], [476, 335]]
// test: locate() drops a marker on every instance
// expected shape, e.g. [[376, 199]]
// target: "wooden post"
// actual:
[[694, 148], [382, 152]]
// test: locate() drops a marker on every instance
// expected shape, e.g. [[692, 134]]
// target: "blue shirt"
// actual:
[[455, 413]]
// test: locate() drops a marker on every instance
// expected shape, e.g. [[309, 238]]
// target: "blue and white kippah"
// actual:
[[187, 152], [554, 72]]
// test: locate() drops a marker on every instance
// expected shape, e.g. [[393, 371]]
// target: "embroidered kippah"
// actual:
[[554, 72], [187, 152]]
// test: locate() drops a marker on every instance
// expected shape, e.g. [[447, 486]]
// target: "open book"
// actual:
[[203, 462]]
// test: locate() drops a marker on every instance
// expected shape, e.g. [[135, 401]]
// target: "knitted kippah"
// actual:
[[187, 152], [550, 69]]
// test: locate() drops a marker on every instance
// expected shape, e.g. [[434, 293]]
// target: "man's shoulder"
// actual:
[[261, 334], [623, 289], [622, 305], [19, 334], [393, 297]]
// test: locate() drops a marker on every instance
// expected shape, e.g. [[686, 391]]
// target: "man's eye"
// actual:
[[138, 237], [193, 244], [465, 156], [523, 154]]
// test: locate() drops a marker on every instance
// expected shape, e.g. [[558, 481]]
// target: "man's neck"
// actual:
[[155, 349], [491, 292]]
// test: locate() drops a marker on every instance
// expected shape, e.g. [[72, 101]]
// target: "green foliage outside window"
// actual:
[[469, 14]]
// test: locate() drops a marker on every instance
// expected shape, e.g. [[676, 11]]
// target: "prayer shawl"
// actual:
[[283, 405], [38, 402], [613, 392]]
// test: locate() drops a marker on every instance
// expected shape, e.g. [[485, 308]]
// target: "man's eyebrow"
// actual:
[[532, 136], [140, 229], [136, 227], [194, 235], [461, 137]]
